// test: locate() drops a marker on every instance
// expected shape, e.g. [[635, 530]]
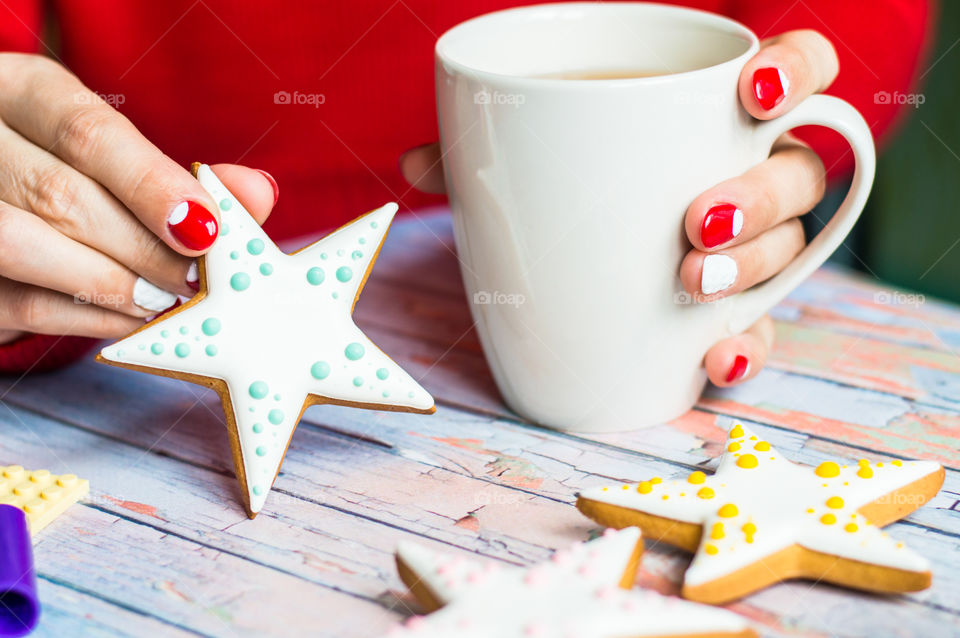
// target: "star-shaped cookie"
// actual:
[[762, 519], [582, 592], [272, 333]]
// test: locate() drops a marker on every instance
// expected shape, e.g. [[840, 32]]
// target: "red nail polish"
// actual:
[[769, 86], [722, 223], [193, 225], [273, 182], [738, 369]]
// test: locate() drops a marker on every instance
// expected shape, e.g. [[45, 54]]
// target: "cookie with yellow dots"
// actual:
[[761, 519]]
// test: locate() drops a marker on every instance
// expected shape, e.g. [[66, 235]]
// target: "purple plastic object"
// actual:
[[19, 607]]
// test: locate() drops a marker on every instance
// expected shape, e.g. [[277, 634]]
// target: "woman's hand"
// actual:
[[746, 229], [98, 228]]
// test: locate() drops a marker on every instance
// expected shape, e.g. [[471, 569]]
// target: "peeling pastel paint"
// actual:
[[133, 506], [512, 470], [940, 383]]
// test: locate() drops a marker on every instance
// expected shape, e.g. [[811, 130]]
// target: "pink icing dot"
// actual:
[[476, 577], [561, 558], [414, 622], [534, 578], [586, 570], [630, 605], [605, 593], [534, 630]]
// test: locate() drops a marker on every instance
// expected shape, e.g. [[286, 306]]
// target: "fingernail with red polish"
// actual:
[[193, 277], [193, 225], [770, 86], [722, 223], [273, 182], [739, 368]]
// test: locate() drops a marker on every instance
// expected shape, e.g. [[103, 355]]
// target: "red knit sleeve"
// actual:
[[881, 46], [40, 353], [21, 25]]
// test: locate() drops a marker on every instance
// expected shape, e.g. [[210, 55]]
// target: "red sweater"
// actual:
[[199, 79]]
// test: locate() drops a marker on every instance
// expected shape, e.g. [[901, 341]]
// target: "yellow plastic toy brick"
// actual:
[[41, 495]]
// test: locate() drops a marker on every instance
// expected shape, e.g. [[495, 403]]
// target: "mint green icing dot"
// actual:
[[362, 240], [240, 281], [182, 350], [275, 416], [383, 373], [344, 273], [210, 326], [266, 269], [257, 490], [226, 204], [323, 255], [258, 389], [276, 397], [157, 348], [120, 353], [184, 330], [320, 370], [373, 224], [234, 254], [164, 333], [255, 246], [197, 338], [340, 252], [142, 346], [224, 229], [261, 451], [358, 381], [211, 350], [385, 394], [257, 428], [335, 295], [356, 254], [354, 351], [315, 276], [252, 409], [410, 394]]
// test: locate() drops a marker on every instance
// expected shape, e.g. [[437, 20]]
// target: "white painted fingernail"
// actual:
[[719, 273], [193, 274], [737, 223], [149, 297]]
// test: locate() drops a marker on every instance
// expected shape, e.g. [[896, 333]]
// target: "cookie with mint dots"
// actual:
[[761, 519], [584, 592], [272, 333]]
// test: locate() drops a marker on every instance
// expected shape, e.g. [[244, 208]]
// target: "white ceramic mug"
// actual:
[[568, 199]]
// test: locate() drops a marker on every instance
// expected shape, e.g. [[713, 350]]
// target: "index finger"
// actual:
[[51, 107], [787, 69]]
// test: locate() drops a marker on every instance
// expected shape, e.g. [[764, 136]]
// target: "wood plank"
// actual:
[[65, 610], [388, 483]]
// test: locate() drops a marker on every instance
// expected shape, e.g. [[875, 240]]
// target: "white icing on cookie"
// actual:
[[277, 328], [575, 593], [149, 297], [759, 503]]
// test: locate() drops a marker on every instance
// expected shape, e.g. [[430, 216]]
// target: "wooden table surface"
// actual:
[[162, 547]]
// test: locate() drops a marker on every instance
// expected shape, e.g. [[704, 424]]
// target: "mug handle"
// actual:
[[834, 113]]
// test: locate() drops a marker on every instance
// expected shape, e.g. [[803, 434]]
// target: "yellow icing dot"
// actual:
[[736, 432], [897, 462], [749, 529], [810, 510], [753, 438], [683, 493], [644, 487], [846, 482], [705, 492], [626, 487], [733, 447], [879, 464], [899, 545], [863, 462], [747, 461], [696, 477], [850, 527], [762, 446], [828, 519], [665, 497], [865, 472], [728, 511], [717, 532], [835, 503], [655, 480], [711, 549], [828, 469], [606, 489]]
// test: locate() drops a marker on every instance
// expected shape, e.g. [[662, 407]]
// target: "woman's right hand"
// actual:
[[98, 228]]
